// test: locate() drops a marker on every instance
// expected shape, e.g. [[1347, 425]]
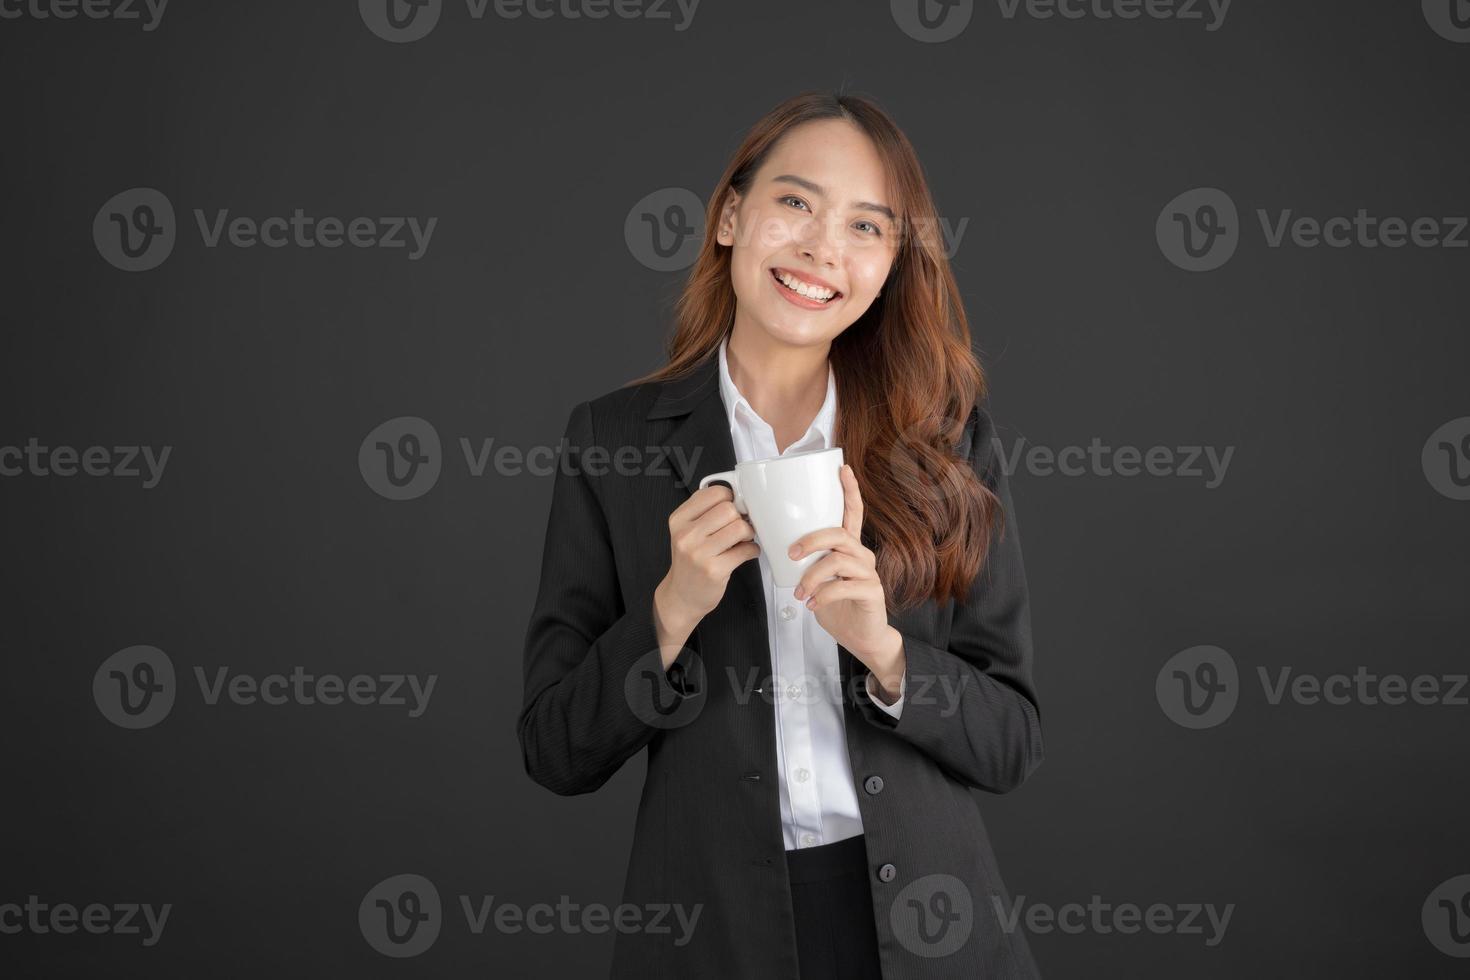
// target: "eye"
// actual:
[[792, 197], [875, 229]]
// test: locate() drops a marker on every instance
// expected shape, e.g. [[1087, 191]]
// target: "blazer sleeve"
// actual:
[[972, 707], [581, 718]]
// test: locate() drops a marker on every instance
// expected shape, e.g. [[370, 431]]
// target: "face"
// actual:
[[817, 216]]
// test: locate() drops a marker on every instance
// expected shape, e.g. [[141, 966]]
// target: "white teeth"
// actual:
[[805, 289]]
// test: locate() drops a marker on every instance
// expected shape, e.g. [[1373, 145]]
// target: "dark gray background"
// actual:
[[263, 548]]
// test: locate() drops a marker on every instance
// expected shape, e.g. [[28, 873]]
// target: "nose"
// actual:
[[817, 243]]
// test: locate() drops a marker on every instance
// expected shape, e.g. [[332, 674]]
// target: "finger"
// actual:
[[833, 538], [834, 565], [718, 517], [725, 538], [701, 501], [852, 503], [737, 556], [844, 588]]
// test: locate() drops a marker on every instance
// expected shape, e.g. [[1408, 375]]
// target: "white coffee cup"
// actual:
[[787, 497]]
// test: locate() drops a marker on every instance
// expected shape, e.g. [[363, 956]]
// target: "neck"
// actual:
[[785, 384]]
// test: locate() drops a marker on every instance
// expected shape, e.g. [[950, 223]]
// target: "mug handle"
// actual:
[[732, 478]]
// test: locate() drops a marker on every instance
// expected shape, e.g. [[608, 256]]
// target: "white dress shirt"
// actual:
[[818, 794]]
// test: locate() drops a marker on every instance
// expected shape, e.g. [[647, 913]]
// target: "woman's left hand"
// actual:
[[845, 593]]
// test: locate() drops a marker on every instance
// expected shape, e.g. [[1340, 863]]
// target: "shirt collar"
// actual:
[[822, 426]]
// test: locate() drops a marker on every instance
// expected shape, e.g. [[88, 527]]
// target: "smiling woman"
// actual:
[[828, 194], [817, 752]]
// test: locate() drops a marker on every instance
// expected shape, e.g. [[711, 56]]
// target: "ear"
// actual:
[[725, 233]]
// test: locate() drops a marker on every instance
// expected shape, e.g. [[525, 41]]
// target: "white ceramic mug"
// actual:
[[787, 497]]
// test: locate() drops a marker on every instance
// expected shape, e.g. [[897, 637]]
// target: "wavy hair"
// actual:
[[906, 375]]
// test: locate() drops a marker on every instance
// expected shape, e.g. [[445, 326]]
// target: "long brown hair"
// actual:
[[906, 376]]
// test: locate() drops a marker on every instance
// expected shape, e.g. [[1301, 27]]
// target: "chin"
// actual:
[[799, 334]]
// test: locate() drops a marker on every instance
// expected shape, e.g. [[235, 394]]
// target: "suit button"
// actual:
[[874, 785], [887, 873]]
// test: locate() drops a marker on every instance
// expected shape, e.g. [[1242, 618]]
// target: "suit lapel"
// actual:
[[700, 444]]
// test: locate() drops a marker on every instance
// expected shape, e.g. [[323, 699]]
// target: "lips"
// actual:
[[806, 291]]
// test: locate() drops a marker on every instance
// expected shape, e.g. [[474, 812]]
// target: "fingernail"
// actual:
[[795, 551], [798, 593]]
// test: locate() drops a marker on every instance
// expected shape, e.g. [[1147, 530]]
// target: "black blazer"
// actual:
[[708, 830]]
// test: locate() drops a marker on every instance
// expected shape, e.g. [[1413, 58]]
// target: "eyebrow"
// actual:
[[817, 189]]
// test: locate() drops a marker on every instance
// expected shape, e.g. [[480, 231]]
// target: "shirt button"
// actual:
[[802, 775], [788, 613], [793, 692], [807, 840], [887, 873]]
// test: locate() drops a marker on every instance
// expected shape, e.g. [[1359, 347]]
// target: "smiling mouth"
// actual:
[[806, 290]]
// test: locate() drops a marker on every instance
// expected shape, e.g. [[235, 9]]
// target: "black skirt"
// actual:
[[835, 934]]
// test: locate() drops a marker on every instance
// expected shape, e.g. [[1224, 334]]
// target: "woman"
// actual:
[[816, 754]]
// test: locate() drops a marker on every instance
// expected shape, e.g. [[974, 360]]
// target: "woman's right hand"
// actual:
[[708, 540]]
